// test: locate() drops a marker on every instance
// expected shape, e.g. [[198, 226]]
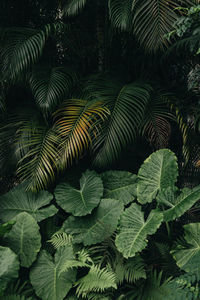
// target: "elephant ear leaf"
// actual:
[[187, 253], [159, 171], [9, 266], [97, 227], [80, 202], [133, 232], [24, 238], [48, 282], [19, 200], [120, 185], [178, 205]]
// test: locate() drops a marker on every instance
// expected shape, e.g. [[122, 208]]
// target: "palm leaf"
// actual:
[[153, 19], [49, 86], [97, 280], [73, 7], [127, 105], [38, 164], [77, 120], [120, 14], [22, 49]]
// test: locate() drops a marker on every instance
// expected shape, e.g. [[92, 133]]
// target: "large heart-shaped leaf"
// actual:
[[133, 232], [97, 227], [187, 255], [9, 266], [24, 238], [48, 282], [159, 171], [178, 205], [80, 202], [120, 185], [18, 200]]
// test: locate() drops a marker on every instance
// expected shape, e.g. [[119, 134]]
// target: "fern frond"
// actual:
[[97, 280], [60, 239]]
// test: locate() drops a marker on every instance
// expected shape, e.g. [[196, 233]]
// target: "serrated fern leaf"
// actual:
[[97, 280], [60, 239]]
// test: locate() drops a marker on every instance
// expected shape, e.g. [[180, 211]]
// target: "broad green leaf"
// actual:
[[120, 185], [133, 232], [178, 206], [5, 228], [9, 266], [24, 238], [48, 282], [80, 202], [159, 171], [187, 256], [97, 227], [18, 200]]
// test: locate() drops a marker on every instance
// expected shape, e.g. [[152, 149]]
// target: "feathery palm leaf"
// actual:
[[77, 121], [73, 7], [38, 163], [153, 19], [22, 48], [120, 14], [49, 86], [127, 104]]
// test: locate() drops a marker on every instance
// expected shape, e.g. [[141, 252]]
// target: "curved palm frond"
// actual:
[[127, 104], [153, 19], [39, 154], [78, 121], [22, 48], [73, 7], [120, 14], [157, 128], [49, 86]]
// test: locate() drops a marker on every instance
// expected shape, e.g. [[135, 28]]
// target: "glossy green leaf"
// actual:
[[24, 238], [134, 229], [120, 185], [97, 227], [159, 171], [187, 255], [48, 282], [19, 200], [9, 266], [80, 202]]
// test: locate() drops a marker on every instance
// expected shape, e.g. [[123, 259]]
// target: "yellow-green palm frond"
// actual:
[[78, 122]]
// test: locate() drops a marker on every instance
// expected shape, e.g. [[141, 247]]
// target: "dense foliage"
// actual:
[[114, 235]]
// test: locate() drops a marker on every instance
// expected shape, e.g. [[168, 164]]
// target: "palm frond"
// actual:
[[73, 7], [127, 104], [49, 86], [77, 121], [22, 48], [60, 239], [97, 280], [121, 15], [153, 19], [37, 165]]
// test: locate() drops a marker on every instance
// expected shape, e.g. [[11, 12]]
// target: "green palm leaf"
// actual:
[[73, 7], [49, 86], [127, 104], [80, 202], [22, 49], [133, 230], [97, 280], [19, 200], [120, 14], [37, 165], [158, 171], [77, 121], [153, 19]]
